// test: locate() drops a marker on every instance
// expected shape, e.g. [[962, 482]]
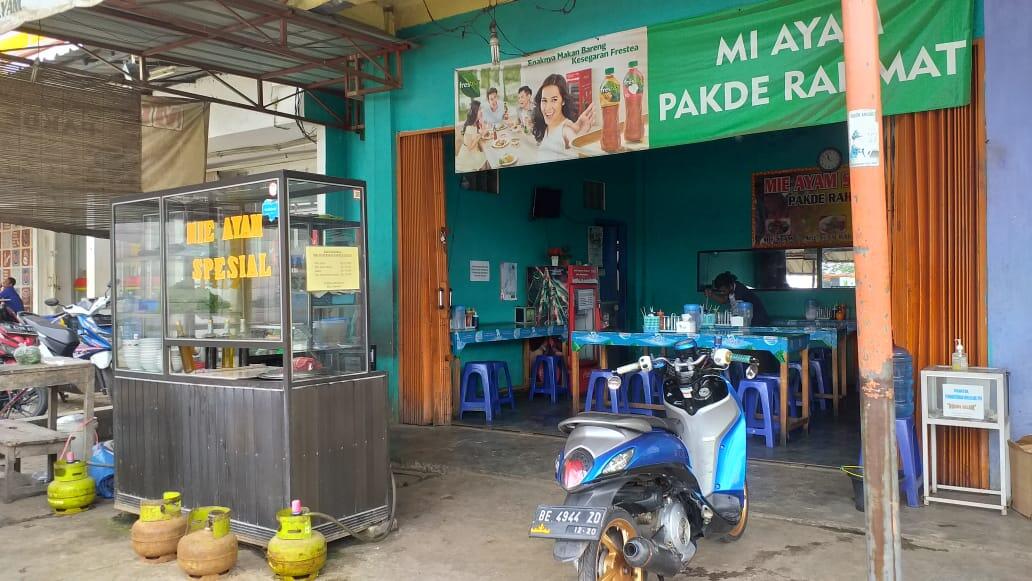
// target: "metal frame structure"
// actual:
[[123, 41]]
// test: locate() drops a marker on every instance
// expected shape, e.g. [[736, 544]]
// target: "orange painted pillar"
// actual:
[[873, 306]]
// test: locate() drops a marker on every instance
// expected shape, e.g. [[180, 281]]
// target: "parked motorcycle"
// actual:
[[75, 332], [642, 490], [94, 329], [23, 402]]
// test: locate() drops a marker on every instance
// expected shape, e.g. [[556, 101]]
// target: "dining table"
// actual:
[[821, 337], [847, 330], [487, 334], [783, 346]]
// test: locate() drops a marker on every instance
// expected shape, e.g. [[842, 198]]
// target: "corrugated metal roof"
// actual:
[[258, 38]]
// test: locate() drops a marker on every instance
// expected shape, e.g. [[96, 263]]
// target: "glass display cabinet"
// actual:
[[242, 368]]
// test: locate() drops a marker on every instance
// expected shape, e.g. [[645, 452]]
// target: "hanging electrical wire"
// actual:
[[297, 112], [566, 8]]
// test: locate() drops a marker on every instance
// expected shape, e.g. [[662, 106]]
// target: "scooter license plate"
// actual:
[[577, 523]]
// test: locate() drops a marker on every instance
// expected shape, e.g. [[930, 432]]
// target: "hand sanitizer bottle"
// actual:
[[960, 358]]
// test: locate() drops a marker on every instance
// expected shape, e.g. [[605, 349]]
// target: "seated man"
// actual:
[[11, 301]]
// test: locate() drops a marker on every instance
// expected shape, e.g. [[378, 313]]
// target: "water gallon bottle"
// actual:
[[903, 381]]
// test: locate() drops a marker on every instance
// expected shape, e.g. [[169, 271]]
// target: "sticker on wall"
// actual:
[[479, 271], [507, 276], [864, 138]]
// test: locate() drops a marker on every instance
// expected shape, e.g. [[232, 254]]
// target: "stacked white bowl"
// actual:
[[175, 360], [130, 354], [150, 354]]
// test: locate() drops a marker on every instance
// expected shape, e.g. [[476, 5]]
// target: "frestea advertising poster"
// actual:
[[579, 100], [764, 67]]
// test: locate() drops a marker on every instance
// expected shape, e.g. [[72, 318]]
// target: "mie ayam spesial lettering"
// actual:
[[794, 37], [239, 227]]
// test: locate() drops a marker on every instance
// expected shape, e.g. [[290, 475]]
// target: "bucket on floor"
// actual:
[[856, 476]]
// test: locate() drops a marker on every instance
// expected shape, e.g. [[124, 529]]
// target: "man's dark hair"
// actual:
[[525, 89], [725, 280], [492, 91], [10, 281]]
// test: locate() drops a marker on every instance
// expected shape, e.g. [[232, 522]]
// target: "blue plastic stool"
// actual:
[[645, 391], [759, 393], [550, 364], [510, 397], [815, 369], [597, 386], [909, 460], [774, 381], [470, 402]]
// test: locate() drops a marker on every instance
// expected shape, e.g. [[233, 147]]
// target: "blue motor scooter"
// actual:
[[641, 490]]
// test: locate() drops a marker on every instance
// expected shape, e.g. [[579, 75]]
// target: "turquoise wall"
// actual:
[[426, 101], [497, 228], [698, 197]]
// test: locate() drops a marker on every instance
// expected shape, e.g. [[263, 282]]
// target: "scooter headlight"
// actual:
[[619, 462], [576, 468]]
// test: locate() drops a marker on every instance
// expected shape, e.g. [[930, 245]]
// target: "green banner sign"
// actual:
[[778, 65]]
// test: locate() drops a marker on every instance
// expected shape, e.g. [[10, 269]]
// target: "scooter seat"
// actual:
[[634, 423]]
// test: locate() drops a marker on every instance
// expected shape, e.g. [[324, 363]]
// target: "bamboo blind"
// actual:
[[423, 344], [936, 200], [67, 150]]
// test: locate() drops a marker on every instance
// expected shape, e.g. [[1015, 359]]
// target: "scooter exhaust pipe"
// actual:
[[642, 553]]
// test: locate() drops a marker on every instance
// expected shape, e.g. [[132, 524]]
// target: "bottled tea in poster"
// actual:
[[633, 90], [609, 99]]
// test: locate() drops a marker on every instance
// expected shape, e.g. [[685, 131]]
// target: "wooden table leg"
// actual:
[[456, 365], [526, 364], [783, 415], [574, 382], [55, 400], [90, 394], [804, 357], [835, 387]]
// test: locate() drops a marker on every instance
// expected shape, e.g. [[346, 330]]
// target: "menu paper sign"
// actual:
[[332, 268], [763, 67], [799, 208], [963, 401]]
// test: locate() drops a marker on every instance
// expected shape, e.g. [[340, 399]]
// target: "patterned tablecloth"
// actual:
[[826, 337], [781, 345], [849, 326], [461, 339]]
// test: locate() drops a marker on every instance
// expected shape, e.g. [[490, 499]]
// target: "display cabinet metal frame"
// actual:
[[252, 444]]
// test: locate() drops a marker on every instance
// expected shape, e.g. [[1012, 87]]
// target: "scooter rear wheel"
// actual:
[[603, 559]]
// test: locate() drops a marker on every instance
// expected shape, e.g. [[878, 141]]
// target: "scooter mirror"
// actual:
[[751, 371], [51, 302]]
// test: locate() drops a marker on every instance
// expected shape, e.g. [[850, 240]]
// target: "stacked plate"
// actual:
[[150, 355], [175, 360], [130, 355]]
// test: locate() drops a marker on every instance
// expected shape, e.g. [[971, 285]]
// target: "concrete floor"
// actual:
[[831, 441], [467, 520]]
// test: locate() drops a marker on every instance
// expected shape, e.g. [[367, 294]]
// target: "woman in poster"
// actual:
[[553, 127], [469, 156]]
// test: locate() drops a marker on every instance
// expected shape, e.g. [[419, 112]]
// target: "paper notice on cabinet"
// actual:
[[332, 268]]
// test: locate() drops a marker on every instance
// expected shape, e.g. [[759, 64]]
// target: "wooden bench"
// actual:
[[19, 440]]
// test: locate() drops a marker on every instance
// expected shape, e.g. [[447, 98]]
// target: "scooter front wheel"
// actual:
[[604, 559], [743, 520]]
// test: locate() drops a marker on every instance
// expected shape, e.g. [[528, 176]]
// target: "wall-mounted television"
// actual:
[[546, 203]]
